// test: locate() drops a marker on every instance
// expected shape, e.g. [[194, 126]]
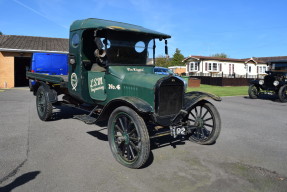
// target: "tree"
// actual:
[[220, 55], [177, 58], [1, 33], [162, 61]]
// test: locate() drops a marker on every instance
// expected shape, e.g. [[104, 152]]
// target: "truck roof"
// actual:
[[113, 25]]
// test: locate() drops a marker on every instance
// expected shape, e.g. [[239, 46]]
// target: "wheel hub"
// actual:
[[126, 138], [199, 122]]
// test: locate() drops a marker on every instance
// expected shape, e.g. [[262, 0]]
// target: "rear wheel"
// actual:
[[207, 121], [44, 106], [282, 94], [30, 85], [128, 137], [253, 91]]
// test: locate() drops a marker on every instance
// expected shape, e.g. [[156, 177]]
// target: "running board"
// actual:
[[86, 118]]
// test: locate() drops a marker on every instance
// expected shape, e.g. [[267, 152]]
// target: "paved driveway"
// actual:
[[68, 155]]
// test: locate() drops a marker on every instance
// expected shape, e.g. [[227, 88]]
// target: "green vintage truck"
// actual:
[[110, 77]]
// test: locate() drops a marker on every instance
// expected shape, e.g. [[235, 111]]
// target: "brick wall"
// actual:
[[6, 71], [7, 68]]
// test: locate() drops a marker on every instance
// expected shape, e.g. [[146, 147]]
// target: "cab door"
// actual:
[[97, 85]]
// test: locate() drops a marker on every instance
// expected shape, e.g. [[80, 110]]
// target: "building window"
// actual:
[[262, 69], [249, 69], [214, 67], [193, 66]]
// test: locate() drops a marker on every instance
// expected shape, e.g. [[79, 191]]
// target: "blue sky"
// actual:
[[239, 28]]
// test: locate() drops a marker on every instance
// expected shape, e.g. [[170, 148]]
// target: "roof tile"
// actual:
[[30, 43]]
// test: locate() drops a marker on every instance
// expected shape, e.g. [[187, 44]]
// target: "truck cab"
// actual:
[[111, 60]]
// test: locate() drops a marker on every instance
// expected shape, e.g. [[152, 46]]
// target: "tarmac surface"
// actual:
[[67, 155]]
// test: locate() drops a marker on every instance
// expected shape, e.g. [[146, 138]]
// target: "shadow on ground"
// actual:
[[264, 96], [21, 180]]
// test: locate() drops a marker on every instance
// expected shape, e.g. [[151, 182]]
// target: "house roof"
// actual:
[[16, 43], [213, 58], [256, 60]]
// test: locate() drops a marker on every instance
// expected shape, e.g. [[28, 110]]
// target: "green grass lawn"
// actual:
[[221, 91]]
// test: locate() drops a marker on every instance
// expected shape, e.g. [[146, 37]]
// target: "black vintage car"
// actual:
[[275, 81]]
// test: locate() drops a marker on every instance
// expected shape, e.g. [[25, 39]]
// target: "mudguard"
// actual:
[[255, 82], [136, 104], [191, 98]]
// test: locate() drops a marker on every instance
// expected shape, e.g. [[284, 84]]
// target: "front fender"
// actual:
[[191, 98], [255, 82], [140, 106]]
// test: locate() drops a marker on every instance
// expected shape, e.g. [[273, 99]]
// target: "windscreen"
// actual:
[[124, 48], [279, 66]]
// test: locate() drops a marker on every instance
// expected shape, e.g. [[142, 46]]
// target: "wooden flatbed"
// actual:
[[62, 80]]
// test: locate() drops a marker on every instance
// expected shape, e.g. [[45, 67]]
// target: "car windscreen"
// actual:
[[127, 48], [279, 66]]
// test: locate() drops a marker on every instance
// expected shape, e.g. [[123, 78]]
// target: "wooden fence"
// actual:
[[222, 81]]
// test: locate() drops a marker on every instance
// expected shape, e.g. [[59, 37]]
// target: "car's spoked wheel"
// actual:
[[206, 119], [283, 93], [44, 107], [128, 137], [253, 92]]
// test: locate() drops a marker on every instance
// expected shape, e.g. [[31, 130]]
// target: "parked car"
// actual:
[[166, 71], [49, 64], [275, 81]]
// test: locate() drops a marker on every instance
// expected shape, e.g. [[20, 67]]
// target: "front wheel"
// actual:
[[205, 117], [253, 91], [128, 137], [282, 94]]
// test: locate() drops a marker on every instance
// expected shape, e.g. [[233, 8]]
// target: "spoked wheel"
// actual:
[[44, 107], [207, 120], [253, 91], [128, 137], [283, 93]]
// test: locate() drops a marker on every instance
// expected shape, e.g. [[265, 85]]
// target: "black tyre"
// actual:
[[253, 91], [282, 94], [30, 85], [128, 137], [207, 120], [44, 107]]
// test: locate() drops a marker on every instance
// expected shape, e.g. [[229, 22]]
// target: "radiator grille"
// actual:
[[170, 97], [268, 80]]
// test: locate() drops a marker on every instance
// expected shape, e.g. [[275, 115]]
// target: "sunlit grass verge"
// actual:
[[221, 91]]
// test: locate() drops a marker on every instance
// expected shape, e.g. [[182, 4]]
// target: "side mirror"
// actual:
[[166, 48]]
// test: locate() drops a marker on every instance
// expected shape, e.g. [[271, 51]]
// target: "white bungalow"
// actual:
[[202, 65]]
